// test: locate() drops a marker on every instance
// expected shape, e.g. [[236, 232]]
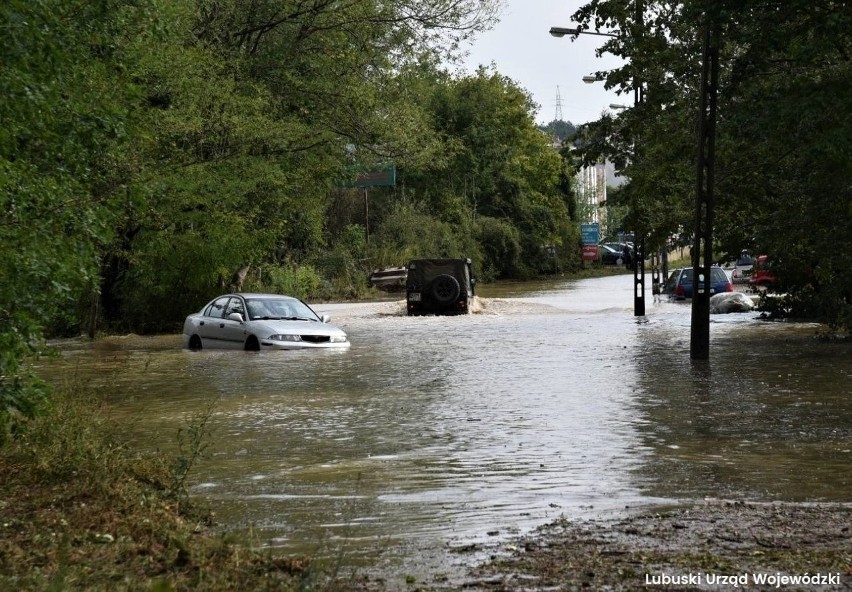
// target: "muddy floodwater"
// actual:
[[437, 432]]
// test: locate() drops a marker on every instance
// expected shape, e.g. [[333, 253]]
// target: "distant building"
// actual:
[[590, 185]]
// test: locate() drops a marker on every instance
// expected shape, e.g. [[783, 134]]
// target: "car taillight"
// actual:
[[729, 287], [680, 292]]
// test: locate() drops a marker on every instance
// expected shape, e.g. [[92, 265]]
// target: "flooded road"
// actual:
[[552, 400]]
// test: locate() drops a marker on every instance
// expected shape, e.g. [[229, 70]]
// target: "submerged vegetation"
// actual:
[[82, 511]]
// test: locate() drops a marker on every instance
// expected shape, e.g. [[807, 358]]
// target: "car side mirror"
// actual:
[[325, 318], [235, 316]]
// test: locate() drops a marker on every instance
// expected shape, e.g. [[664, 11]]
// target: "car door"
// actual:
[[233, 333], [211, 324], [718, 280]]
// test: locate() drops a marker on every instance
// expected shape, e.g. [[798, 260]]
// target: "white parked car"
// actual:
[[742, 268], [258, 322]]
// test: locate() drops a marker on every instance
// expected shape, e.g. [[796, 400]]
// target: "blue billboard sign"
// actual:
[[590, 233]]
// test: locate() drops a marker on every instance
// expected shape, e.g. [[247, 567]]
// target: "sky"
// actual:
[[523, 50]]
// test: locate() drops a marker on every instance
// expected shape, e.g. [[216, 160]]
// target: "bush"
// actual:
[[501, 248], [302, 281]]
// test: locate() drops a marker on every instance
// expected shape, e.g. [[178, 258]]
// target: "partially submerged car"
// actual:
[[679, 284], [439, 286], [260, 321], [389, 279]]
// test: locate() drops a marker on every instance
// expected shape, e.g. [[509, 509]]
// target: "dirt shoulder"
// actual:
[[706, 546]]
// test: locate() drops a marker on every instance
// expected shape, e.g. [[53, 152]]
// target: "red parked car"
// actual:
[[760, 275]]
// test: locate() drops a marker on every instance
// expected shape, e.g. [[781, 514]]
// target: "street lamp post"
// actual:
[[639, 245]]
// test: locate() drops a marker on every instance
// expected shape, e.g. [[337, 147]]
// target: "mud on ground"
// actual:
[[706, 541]]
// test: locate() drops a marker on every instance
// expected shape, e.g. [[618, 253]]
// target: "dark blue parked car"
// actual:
[[679, 284]]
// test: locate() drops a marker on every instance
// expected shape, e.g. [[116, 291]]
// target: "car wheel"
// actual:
[[619, 261], [195, 343], [252, 344], [445, 289]]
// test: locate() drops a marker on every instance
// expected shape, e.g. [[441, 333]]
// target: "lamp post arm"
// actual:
[[562, 31]]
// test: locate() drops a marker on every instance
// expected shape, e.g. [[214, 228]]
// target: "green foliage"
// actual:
[[560, 130], [501, 248], [21, 393], [410, 233], [497, 164], [150, 149], [84, 511], [71, 439], [64, 116], [303, 281]]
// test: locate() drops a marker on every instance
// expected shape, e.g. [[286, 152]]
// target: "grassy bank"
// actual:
[[81, 511]]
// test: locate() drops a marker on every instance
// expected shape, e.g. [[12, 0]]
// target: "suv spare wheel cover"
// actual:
[[445, 289]]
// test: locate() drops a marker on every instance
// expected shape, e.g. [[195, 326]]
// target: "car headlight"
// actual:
[[282, 337], [338, 339]]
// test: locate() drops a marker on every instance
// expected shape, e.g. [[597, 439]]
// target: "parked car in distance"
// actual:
[[761, 276], [742, 268], [679, 284], [620, 248], [439, 286], [258, 322], [610, 256], [389, 279]]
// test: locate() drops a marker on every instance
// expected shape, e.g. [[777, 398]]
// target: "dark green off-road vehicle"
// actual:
[[439, 286]]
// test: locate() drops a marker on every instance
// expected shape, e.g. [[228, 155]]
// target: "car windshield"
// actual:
[[716, 275], [279, 308]]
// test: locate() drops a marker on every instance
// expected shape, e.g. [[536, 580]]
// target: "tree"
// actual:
[[65, 121], [560, 130], [496, 164], [148, 148], [252, 112]]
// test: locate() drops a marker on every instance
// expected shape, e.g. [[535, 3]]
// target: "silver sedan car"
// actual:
[[258, 322]]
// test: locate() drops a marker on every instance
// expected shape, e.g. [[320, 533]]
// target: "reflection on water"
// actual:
[[770, 418], [431, 430]]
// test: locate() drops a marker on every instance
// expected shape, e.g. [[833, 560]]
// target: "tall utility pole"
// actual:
[[639, 241], [558, 115], [702, 249]]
